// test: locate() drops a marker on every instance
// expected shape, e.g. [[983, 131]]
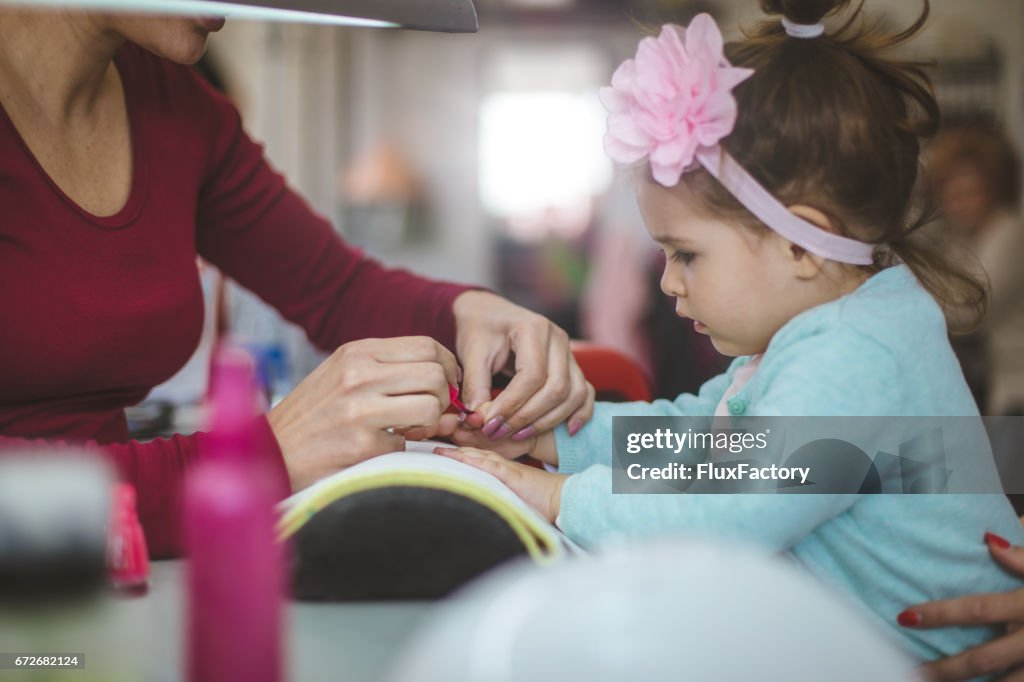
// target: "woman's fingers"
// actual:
[[584, 414], [530, 346], [537, 400], [547, 386], [974, 609], [1010, 557], [408, 349], [340, 414], [1007, 609], [552, 403], [403, 411], [987, 659], [482, 355], [410, 378], [576, 410]]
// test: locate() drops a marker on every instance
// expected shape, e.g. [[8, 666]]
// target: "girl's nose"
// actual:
[[672, 286]]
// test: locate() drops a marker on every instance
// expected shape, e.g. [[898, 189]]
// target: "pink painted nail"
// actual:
[[501, 433], [574, 426], [524, 433], [492, 426]]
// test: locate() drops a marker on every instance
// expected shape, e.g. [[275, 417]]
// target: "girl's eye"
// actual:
[[685, 257]]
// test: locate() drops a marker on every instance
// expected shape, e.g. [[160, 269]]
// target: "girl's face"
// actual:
[[738, 287]]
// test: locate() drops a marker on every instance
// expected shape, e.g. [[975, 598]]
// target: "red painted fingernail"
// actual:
[[523, 434], [909, 619], [997, 540], [574, 426], [493, 426]]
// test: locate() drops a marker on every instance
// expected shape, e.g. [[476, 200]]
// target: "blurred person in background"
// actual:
[[977, 178]]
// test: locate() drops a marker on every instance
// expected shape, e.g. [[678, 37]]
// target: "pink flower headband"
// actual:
[[673, 103]]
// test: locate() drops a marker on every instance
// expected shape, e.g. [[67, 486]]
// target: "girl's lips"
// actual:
[[699, 327]]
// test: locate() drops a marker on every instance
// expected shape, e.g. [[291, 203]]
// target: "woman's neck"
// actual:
[[59, 63]]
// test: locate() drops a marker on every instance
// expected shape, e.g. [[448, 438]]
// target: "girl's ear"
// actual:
[[806, 264]]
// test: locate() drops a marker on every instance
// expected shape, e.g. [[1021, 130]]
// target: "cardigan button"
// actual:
[[737, 406]]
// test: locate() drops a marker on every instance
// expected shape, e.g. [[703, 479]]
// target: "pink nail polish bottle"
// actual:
[[127, 556], [235, 564]]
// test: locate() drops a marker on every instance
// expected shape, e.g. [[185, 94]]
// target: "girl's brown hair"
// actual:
[[836, 123]]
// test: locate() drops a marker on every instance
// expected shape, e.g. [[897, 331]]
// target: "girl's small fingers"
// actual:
[[489, 462], [464, 451], [475, 419], [508, 449]]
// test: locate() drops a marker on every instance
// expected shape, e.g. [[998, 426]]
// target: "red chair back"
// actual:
[[615, 376]]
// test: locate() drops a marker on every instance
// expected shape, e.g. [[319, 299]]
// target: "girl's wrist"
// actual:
[[546, 448], [555, 501]]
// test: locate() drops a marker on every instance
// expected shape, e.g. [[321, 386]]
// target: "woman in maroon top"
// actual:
[[117, 167]]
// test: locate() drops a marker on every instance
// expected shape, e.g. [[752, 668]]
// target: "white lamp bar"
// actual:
[[452, 16]]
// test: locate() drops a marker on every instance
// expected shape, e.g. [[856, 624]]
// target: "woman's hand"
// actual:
[[339, 415], [547, 386], [539, 489], [1002, 655]]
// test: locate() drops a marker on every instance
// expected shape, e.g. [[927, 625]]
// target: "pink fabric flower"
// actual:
[[674, 97]]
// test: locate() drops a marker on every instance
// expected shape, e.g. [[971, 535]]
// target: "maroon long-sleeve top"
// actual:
[[95, 311]]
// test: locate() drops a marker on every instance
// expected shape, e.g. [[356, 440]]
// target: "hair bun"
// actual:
[[803, 11]]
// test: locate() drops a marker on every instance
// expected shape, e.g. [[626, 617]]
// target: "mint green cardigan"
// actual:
[[881, 350]]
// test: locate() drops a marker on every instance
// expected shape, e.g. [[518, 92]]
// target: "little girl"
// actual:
[[778, 178]]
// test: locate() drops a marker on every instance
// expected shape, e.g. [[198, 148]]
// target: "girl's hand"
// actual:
[[1002, 655], [547, 387], [539, 489], [542, 447], [340, 414]]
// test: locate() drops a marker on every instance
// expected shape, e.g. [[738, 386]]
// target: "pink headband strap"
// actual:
[[772, 213], [673, 104]]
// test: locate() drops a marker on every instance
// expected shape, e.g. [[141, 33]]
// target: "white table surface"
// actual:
[[141, 638]]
